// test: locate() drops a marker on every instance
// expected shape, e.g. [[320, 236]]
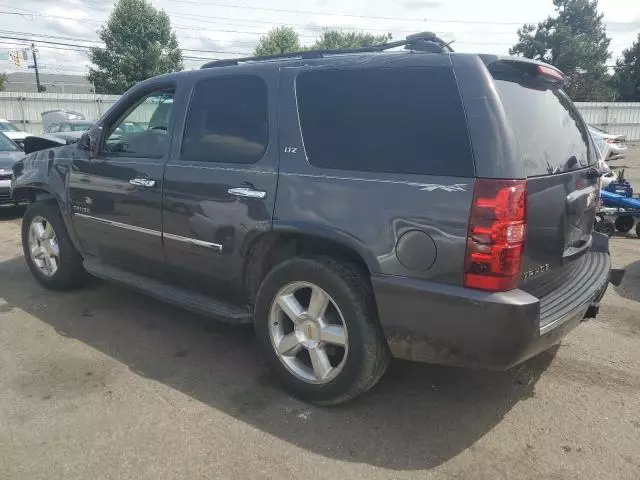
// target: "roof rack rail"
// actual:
[[425, 41]]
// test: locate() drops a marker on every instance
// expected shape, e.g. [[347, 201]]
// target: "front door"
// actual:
[[116, 196], [220, 182]]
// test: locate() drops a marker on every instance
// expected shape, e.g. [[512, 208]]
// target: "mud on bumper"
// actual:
[[435, 323]]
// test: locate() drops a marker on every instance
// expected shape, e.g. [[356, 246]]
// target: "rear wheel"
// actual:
[[49, 253], [605, 226], [317, 322], [624, 223]]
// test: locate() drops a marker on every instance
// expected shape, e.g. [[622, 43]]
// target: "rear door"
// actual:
[[220, 182], [559, 161]]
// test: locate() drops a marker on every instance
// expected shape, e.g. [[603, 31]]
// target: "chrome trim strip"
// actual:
[[125, 226], [170, 236], [193, 241]]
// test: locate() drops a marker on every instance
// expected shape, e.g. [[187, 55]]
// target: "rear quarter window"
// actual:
[[400, 120], [551, 134]]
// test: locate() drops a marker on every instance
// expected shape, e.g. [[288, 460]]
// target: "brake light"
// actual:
[[496, 235], [551, 73]]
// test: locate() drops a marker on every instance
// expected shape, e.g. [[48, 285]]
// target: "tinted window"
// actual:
[[551, 134], [227, 121], [153, 111], [406, 120]]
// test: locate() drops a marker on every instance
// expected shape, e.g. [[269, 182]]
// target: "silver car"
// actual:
[[616, 143], [9, 155]]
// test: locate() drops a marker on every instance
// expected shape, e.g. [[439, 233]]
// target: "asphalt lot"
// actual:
[[105, 383]]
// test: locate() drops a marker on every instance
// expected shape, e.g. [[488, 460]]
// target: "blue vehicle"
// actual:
[[623, 206]]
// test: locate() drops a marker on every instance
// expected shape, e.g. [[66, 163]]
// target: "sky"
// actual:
[[209, 29]]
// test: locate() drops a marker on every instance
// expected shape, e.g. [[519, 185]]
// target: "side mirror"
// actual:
[[85, 144]]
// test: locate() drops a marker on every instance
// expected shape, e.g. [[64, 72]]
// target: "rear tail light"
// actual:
[[497, 234], [550, 73]]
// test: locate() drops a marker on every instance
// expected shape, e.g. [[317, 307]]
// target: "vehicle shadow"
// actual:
[[11, 212], [630, 286], [418, 417]]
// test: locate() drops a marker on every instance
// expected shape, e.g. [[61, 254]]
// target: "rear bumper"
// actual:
[[444, 324]]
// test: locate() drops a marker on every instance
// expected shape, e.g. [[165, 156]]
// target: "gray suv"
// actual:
[[354, 205]]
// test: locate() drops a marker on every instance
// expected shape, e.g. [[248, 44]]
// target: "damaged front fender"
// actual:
[[45, 174]]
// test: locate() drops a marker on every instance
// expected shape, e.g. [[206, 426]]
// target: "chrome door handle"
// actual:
[[247, 192], [143, 182]]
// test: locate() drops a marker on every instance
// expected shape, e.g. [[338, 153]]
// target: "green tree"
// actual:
[[336, 39], [574, 40], [626, 80], [278, 40], [3, 81], [139, 44]]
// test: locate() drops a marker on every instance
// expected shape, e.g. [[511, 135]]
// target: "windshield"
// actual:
[[80, 127], [8, 127], [551, 134], [6, 145]]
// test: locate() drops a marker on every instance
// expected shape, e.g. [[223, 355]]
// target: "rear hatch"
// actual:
[[559, 162]]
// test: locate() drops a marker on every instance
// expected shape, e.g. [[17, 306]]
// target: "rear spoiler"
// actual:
[[530, 68]]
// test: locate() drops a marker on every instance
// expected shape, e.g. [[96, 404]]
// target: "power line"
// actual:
[[350, 15], [87, 47]]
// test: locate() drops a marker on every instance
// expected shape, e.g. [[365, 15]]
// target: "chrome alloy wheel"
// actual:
[[308, 332], [43, 246]]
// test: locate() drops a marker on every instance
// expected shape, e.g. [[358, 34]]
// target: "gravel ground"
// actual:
[[105, 383]]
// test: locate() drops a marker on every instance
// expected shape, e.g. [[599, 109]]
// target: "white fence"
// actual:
[[24, 109], [619, 118]]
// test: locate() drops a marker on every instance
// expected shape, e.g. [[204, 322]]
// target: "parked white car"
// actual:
[[617, 143], [13, 132]]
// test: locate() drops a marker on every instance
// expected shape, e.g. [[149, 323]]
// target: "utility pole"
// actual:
[[35, 66]]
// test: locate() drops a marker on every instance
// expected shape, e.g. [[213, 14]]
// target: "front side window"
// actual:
[[228, 121], [152, 115], [65, 127]]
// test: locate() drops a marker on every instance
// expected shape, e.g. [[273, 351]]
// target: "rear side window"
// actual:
[[401, 120], [228, 121], [551, 134]]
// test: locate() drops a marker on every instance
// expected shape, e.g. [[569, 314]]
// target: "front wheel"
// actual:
[[624, 223], [48, 250], [317, 322]]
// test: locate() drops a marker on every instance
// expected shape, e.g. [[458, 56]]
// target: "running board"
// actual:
[[194, 302]]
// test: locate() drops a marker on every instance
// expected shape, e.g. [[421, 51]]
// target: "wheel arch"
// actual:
[[271, 248]]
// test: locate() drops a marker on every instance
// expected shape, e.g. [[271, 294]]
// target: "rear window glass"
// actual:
[[550, 132], [401, 120]]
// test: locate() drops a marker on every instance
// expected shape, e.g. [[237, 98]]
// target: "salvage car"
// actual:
[[9, 155], [617, 143], [353, 206]]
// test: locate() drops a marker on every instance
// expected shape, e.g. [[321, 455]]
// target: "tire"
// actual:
[[69, 272], [365, 355], [624, 223], [605, 226], [638, 229]]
